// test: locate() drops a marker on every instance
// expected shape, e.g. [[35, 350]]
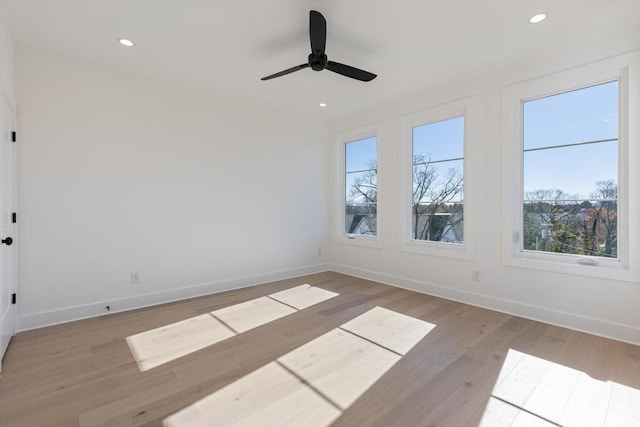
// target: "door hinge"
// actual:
[[516, 237], [13, 136], [14, 217], [13, 298]]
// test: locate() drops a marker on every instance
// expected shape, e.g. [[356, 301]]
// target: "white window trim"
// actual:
[[465, 107], [625, 69], [340, 236]]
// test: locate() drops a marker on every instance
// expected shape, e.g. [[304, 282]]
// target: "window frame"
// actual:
[[343, 138], [513, 98], [461, 108]]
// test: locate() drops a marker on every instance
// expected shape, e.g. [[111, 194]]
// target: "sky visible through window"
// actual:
[[583, 115], [578, 116], [442, 140], [442, 144], [360, 155]]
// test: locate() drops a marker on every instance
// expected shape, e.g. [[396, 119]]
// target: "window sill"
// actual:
[[439, 249], [359, 240], [574, 265]]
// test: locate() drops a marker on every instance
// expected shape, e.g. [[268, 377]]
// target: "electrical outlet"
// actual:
[[475, 275], [319, 252], [135, 277]]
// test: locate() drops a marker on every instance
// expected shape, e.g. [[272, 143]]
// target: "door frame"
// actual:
[[12, 288]]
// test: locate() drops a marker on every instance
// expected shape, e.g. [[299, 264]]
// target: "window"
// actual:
[[566, 171], [570, 172], [361, 187], [358, 190], [436, 216], [437, 203]]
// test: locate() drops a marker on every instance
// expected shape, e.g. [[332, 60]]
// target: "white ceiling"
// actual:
[[413, 46]]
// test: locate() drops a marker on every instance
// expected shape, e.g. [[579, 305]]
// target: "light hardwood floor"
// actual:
[[362, 354]]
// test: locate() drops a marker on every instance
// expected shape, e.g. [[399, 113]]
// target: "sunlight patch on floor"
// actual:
[[313, 384], [394, 331], [303, 296], [534, 391], [169, 342], [269, 396], [339, 365], [166, 343], [251, 314]]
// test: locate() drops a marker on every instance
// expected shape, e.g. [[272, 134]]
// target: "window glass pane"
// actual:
[[574, 169], [361, 187], [587, 114], [586, 227], [360, 219], [438, 181], [570, 193], [438, 222], [440, 140], [360, 154]]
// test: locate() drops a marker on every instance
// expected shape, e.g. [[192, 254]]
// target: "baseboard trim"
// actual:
[[69, 314], [603, 328]]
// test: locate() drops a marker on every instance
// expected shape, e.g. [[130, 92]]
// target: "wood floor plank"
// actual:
[[472, 367], [469, 397]]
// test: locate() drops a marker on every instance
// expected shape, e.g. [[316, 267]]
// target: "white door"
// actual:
[[8, 227]]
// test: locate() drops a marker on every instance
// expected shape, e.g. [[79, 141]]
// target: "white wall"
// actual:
[[119, 174], [600, 306]]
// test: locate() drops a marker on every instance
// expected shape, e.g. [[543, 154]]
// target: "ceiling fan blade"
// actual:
[[349, 71], [317, 32], [287, 71]]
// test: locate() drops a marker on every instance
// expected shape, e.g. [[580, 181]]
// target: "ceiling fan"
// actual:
[[317, 59]]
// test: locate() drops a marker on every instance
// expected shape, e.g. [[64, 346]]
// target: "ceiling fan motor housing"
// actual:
[[318, 62]]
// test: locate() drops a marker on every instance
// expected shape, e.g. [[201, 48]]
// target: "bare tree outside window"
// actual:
[[361, 191], [554, 221], [362, 201], [437, 212], [607, 215]]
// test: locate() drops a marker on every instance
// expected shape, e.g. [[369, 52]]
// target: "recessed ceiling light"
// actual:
[[538, 18], [323, 104], [126, 42]]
